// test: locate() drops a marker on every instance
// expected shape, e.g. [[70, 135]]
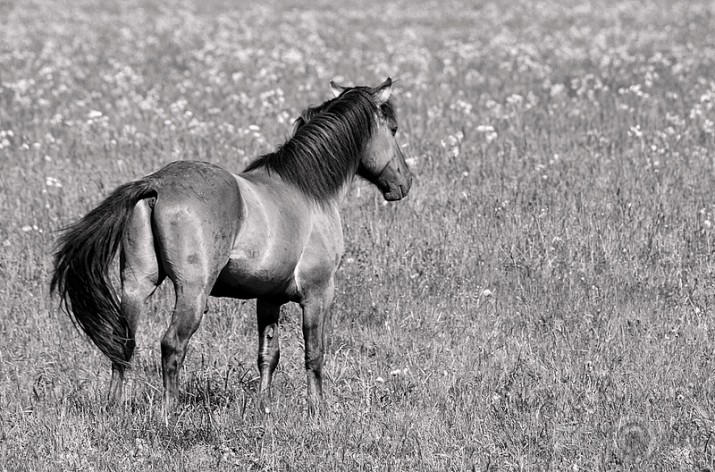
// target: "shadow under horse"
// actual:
[[272, 233]]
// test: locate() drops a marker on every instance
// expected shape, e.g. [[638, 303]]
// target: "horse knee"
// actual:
[[314, 361], [168, 343]]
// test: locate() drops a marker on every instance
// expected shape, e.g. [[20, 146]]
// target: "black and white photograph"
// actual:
[[468, 235]]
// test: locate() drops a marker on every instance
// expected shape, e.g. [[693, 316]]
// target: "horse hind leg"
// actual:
[[188, 313], [195, 221], [268, 348], [134, 295], [192, 260], [140, 276]]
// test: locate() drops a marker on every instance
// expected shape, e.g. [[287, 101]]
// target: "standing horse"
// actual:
[[272, 233]]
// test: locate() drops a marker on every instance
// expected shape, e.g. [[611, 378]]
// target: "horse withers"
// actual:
[[272, 232]]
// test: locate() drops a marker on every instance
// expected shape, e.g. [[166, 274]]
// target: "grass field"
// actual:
[[541, 301]]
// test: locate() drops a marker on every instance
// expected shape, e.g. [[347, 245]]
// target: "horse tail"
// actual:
[[85, 252]]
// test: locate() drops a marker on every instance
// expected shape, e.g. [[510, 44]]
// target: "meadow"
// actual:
[[540, 301]]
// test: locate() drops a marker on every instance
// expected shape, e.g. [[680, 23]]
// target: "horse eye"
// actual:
[[393, 130]]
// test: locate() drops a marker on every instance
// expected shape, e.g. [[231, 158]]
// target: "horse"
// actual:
[[272, 232]]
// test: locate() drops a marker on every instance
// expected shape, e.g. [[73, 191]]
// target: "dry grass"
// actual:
[[542, 300]]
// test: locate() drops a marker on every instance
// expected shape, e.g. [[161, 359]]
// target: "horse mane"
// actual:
[[328, 143]]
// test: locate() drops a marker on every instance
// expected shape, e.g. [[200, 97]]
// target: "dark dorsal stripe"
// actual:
[[325, 151]]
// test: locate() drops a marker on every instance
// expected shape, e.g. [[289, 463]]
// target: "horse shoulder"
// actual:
[[322, 253]]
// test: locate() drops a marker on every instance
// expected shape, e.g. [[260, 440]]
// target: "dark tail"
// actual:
[[85, 252]]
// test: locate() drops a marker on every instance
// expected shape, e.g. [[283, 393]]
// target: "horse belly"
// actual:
[[244, 277]]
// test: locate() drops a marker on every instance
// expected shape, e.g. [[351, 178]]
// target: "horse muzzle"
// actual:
[[394, 182], [397, 192]]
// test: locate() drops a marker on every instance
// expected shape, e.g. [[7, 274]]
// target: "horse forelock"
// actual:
[[325, 151]]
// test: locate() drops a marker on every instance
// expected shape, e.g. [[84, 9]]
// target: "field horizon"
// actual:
[[542, 300]]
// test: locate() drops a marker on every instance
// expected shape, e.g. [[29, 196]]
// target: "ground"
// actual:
[[542, 300]]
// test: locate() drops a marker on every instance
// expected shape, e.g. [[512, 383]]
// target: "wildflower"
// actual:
[[515, 99], [283, 117], [5, 134], [396, 372], [178, 106], [674, 119], [635, 131], [456, 139], [463, 106], [53, 182], [557, 89], [488, 131]]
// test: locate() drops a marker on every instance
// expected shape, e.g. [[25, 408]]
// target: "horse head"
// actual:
[[382, 163]]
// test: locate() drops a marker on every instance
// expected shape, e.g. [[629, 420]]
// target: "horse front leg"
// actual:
[[269, 351], [315, 310]]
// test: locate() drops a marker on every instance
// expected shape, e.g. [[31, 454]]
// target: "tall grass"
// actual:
[[541, 301]]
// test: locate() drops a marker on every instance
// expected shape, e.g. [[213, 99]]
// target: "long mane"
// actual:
[[326, 148]]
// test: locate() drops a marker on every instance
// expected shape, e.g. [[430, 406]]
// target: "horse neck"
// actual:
[[321, 159], [266, 179], [343, 192], [330, 177]]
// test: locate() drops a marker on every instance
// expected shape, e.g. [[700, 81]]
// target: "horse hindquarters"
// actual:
[[195, 219]]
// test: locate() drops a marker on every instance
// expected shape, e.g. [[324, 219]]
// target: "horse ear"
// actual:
[[298, 124], [337, 88], [382, 91]]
